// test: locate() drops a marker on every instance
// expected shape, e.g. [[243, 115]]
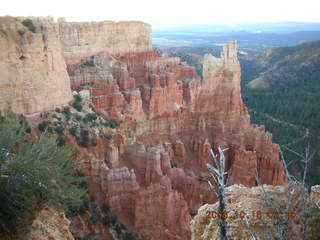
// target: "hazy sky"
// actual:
[[163, 13]]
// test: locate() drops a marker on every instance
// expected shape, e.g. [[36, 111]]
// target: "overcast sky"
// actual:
[[163, 13]]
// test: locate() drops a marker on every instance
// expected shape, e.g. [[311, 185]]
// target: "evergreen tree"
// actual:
[[34, 172]]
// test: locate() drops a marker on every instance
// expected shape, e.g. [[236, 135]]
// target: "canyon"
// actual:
[[152, 172]]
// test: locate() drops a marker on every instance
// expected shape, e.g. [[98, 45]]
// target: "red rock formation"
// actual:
[[172, 117], [162, 212], [169, 117]]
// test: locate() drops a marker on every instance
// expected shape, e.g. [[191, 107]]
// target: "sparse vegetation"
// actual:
[[173, 165], [77, 102], [29, 24], [89, 63], [74, 131], [112, 123], [34, 173], [43, 126], [84, 138], [89, 117], [60, 141], [67, 113], [101, 214], [107, 136], [59, 129]]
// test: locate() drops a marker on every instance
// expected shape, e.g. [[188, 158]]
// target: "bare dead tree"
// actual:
[[218, 174], [254, 235], [304, 199]]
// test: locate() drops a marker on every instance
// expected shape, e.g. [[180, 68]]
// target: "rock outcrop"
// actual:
[[49, 224], [33, 76], [81, 40], [243, 202]]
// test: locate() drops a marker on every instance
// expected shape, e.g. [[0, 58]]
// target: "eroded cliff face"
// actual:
[[33, 76], [152, 173], [170, 121], [80, 40]]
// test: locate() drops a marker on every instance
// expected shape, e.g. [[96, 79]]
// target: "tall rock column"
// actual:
[[220, 90]]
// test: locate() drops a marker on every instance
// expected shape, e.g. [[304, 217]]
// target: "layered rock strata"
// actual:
[[171, 120], [80, 40], [152, 173], [33, 76]]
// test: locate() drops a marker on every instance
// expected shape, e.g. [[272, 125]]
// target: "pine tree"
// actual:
[[34, 173]]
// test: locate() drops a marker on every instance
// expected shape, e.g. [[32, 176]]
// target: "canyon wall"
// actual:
[[80, 40], [33, 76], [152, 172], [170, 120]]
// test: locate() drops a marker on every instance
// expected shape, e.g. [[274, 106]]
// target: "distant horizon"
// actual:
[[167, 13], [165, 25]]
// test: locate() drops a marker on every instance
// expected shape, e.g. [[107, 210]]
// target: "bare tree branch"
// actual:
[[218, 173]]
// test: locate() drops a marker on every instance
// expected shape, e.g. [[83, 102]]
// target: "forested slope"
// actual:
[[288, 102]]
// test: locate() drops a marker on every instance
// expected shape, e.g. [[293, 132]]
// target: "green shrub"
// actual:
[[29, 24], [112, 123], [77, 98], [107, 136], [89, 117], [118, 229], [43, 126], [24, 122], [89, 63], [67, 113], [77, 102], [77, 106], [60, 141], [59, 129], [58, 110], [34, 174], [109, 221], [94, 124], [84, 138], [173, 165], [74, 131], [77, 117], [130, 236], [106, 209]]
